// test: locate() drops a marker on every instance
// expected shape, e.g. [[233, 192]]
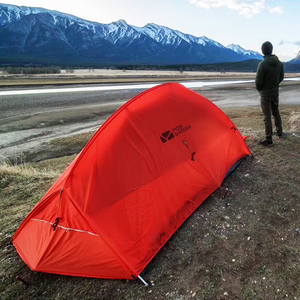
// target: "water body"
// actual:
[[31, 117], [191, 84]]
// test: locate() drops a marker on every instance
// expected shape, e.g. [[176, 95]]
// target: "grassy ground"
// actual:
[[242, 243], [101, 76]]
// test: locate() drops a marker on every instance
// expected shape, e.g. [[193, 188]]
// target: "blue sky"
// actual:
[[245, 22]]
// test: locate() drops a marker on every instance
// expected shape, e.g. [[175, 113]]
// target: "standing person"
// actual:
[[269, 74]]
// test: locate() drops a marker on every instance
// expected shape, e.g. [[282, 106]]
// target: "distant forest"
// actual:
[[31, 70], [243, 66]]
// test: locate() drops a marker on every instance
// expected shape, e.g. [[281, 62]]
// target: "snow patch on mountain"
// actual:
[[296, 59], [118, 41], [240, 50]]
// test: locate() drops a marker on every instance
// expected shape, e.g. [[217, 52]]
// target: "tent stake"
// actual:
[[143, 281]]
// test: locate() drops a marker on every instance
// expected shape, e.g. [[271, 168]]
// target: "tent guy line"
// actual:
[[65, 228]]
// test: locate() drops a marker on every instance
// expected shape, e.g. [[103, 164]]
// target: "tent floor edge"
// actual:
[[235, 166]]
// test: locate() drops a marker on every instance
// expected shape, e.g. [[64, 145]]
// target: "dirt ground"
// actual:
[[241, 243]]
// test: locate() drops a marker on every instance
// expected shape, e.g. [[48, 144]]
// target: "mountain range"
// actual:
[[296, 59], [39, 36]]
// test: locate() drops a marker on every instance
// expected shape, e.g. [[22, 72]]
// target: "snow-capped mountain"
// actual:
[[296, 60], [246, 53], [37, 35]]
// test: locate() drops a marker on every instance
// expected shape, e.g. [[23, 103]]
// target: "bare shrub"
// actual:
[[294, 121]]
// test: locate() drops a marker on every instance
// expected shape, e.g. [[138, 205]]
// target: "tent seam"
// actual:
[[107, 122]]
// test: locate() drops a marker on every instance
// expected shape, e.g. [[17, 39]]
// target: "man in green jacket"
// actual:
[[269, 74]]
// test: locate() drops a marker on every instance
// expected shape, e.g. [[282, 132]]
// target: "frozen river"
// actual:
[[191, 84]]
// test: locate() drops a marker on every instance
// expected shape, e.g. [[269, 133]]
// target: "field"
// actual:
[[96, 76], [242, 243]]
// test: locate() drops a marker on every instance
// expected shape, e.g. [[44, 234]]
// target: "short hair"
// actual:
[[266, 48]]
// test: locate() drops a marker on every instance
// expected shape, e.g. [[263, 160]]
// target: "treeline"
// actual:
[[32, 70], [242, 66]]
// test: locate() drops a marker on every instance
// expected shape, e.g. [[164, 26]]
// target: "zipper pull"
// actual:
[[193, 153], [54, 225]]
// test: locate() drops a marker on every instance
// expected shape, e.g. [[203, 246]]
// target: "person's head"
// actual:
[[266, 48]]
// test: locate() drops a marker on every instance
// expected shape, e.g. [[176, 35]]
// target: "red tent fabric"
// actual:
[[137, 180]]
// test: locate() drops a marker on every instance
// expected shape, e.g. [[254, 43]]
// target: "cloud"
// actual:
[[247, 8], [282, 42], [275, 10]]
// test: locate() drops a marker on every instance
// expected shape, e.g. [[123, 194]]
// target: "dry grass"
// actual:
[[26, 171], [242, 243], [100, 76], [294, 121]]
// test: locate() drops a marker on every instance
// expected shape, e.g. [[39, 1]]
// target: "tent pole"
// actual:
[[143, 281]]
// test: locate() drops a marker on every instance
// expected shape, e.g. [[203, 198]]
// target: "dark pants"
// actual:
[[269, 106]]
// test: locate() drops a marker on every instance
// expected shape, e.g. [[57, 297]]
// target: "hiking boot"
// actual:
[[265, 143], [280, 135]]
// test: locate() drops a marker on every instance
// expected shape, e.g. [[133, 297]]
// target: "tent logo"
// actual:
[[168, 135]]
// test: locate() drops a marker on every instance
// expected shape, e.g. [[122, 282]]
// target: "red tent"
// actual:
[[138, 179]]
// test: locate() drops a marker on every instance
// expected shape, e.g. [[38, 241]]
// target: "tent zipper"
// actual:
[[55, 224], [193, 153]]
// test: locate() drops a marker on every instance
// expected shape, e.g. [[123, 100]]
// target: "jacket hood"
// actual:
[[271, 60]]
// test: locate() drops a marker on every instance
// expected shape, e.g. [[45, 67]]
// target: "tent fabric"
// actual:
[[143, 173]]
